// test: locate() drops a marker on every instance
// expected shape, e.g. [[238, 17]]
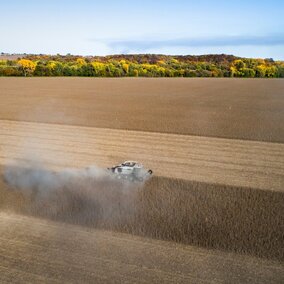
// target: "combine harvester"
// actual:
[[131, 171], [34, 178]]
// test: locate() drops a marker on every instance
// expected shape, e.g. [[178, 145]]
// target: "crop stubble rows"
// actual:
[[212, 160]]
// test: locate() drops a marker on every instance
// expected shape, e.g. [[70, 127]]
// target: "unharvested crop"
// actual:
[[36, 250], [242, 220]]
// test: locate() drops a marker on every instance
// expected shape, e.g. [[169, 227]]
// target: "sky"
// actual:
[[248, 28]]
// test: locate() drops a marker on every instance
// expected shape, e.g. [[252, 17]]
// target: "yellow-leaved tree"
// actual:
[[81, 62], [100, 68], [28, 66], [125, 67]]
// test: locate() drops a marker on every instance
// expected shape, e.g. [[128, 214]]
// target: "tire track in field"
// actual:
[[205, 159]]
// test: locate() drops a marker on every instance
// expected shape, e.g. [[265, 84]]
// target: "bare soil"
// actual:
[[232, 108]]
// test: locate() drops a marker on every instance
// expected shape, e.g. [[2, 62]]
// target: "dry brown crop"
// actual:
[[242, 220], [39, 251]]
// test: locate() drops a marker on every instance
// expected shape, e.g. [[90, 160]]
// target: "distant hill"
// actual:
[[7, 56]]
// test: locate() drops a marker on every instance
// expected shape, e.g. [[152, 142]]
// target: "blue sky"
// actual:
[[249, 28]]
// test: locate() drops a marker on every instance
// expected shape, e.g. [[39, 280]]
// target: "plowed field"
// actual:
[[38, 251], [250, 109]]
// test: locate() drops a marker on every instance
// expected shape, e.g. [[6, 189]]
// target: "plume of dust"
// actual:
[[85, 196], [89, 196]]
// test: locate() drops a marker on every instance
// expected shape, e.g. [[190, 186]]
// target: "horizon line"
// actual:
[[133, 54]]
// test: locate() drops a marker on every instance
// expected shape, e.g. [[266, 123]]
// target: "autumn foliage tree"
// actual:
[[27, 66], [143, 65]]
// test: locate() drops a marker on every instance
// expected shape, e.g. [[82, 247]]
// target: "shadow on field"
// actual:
[[242, 220], [234, 219]]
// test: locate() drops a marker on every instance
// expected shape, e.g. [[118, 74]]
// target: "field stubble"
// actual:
[[231, 108], [212, 160]]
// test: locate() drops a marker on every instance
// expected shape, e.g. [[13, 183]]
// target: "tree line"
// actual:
[[145, 65]]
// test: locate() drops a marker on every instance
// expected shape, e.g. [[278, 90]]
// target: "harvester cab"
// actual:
[[132, 171]]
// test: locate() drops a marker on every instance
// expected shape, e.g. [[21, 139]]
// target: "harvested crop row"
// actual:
[[212, 160]]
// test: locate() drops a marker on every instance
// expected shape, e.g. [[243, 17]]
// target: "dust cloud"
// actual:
[[39, 183], [89, 196]]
